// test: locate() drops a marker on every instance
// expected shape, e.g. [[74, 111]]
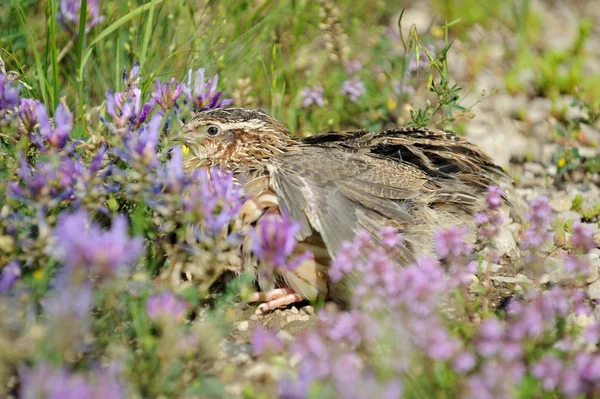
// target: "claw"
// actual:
[[275, 299]]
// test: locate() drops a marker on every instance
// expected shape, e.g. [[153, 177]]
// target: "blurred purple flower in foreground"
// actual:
[[44, 381], [312, 95], [166, 306], [81, 243], [203, 94], [353, 88], [265, 341], [68, 15], [539, 218], [450, 243], [216, 195], [274, 240], [10, 273], [126, 108], [9, 93]]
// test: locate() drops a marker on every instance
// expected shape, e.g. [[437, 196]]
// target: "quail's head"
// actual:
[[233, 138]]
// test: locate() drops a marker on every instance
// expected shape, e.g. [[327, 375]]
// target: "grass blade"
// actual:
[[51, 39], [41, 74], [80, 63]]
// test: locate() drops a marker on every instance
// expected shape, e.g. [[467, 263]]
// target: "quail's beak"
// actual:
[[184, 137]]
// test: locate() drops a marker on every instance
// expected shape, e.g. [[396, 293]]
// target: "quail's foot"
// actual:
[[275, 299]]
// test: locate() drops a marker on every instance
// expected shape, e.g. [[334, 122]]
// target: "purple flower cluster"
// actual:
[[63, 123], [203, 94], [215, 197], [274, 240], [140, 146], [265, 341], [47, 181], [490, 219], [10, 273], [165, 306], [82, 245], [44, 381], [312, 95], [353, 88], [9, 94], [167, 94], [539, 218], [69, 11]]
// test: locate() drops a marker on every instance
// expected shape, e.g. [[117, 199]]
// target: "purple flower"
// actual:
[[140, 146], [63, 123], [578, 265], [11, 272], [166, 306], [131, 81], [539, 217], [312, 95], [204, 94], [9, 93], [548, 370], [493, 197], [51, 180], [353, 88], [68, 15], [390, 237], [582, 237], [274, 240], [464, 362], [27, 112], [43, 381], [216, 196], [167, 94], [126, 108], [451, 244], [352, 67], [81, 243], [265, 341]]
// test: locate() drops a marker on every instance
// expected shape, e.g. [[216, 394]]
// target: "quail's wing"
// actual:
[[338, 192]]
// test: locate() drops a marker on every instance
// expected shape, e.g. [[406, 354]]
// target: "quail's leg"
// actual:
[[274, 299]]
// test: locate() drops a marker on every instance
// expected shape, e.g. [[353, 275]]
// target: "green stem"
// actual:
[[80, 62], [53, 52]]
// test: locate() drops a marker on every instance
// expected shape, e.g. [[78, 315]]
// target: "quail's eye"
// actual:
[[213, 130]]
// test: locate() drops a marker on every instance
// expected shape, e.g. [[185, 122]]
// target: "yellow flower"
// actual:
[[391, 103], [38, 274], [185, 149], [561, 162], [437, 32]]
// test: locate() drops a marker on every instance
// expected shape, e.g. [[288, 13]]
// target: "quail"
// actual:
[[414, 179]]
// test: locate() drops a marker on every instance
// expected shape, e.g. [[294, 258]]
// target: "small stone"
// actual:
[[285, 336], [505, 242], [294, 310], [561, 202], [518, 279], [242, 325], [487, 267], [289, 319], [309, 310], [256, 317], [534, 167], [304, 318], [569, 215], [594, 290]]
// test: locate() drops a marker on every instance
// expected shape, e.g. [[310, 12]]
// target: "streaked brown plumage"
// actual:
[[334, 184]]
